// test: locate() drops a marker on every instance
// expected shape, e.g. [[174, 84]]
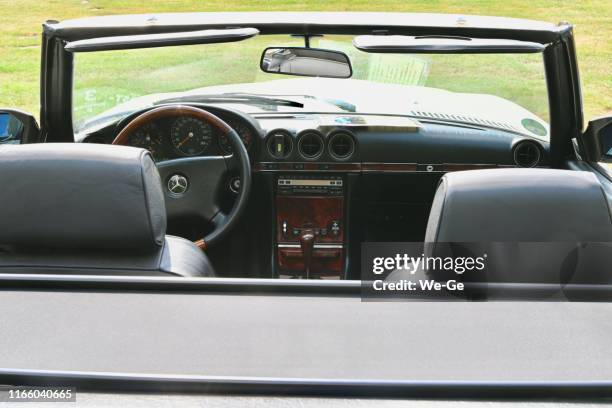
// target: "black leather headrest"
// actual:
[[80, 196], [520, 205]]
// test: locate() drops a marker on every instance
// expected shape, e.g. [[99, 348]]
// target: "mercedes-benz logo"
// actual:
[[177, 184]]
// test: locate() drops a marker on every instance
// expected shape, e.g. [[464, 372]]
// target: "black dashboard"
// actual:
[[363, 140], [328, 141]]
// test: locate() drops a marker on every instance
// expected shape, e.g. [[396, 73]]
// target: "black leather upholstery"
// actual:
[[519, 205], [88, 208], [528, 221]]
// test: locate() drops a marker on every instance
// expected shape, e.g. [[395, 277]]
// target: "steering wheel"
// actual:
[[193, 185]]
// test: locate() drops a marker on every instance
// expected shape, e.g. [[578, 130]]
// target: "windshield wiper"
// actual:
[[235, 97]]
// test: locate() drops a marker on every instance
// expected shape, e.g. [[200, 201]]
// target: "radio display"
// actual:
[[309, 182], [310, 185]]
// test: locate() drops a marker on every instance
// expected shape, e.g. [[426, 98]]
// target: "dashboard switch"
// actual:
[[284, 227], [234, 185], [279, 145], [334, 227]]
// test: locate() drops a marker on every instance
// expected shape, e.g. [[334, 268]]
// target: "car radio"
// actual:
[[310, 185]]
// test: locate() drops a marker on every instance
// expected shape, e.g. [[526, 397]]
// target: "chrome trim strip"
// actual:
[[384, 388], [316, 246]]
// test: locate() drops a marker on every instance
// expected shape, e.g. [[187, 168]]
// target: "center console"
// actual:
[[310, 226]]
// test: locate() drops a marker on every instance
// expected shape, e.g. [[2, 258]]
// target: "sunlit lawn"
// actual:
[[21, 27]]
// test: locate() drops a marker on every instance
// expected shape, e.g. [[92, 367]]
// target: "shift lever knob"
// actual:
[[307, 238]]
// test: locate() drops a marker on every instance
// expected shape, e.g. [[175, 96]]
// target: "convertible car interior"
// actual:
[[321, 183], [209, 203], [319, 137]]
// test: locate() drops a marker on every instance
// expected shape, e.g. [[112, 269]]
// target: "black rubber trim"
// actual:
[[343, 288]]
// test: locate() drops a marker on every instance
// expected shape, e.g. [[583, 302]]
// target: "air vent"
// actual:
[[341, 145], [310, 145], [527, 154], [280, 144]]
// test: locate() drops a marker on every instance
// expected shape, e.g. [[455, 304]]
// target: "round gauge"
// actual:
[[245, 133], [148, 137], [190, 136]]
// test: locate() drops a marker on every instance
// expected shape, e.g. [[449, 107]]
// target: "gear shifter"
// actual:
[[307, 238]]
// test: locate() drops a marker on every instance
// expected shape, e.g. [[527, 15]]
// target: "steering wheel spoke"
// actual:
[[219, 219], [233, 163], [192, 186]]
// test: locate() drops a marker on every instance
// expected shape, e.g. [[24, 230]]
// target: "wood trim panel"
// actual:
[[388, 167], [310, 212], [325, 262], [310, 167], [372, 167], [448, 167]]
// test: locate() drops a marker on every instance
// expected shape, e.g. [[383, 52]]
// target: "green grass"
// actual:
[[21, 27]]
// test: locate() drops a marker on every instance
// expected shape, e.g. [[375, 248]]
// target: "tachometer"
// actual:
[[148, 137], [243, 131], [190, 136]]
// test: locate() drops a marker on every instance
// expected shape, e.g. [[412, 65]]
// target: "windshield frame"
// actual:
[[565, 101]]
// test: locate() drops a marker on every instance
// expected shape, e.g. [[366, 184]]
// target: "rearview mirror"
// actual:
[[306, 62], [17, 127]]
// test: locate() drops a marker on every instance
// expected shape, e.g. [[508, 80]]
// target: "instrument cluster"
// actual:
[[186, 136]]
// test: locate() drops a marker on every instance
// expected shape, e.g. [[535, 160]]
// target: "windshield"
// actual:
[[507, 91]]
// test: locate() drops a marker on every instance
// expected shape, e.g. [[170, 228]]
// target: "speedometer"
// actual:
[[190, 136], [148, 137], [243, 131]]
